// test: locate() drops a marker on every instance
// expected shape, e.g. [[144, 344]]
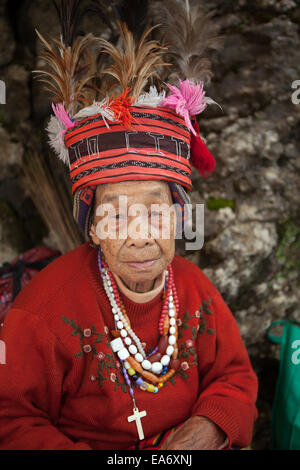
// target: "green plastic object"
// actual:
[[286, 406]]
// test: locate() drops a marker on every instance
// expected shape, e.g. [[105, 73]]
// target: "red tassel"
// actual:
[[201, 157], [120, 106]]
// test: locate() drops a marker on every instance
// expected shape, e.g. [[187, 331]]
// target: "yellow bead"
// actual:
[[150, 388], [160, 384], [131, 371]]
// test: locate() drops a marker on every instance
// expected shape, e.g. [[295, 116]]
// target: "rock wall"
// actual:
[[252, 224]]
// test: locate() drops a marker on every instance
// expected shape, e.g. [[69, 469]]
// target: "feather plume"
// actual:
[[134, 13], [189, 33], [69, 15], [151, 98], [55, 133], [133, 63], [209, 100], [98, 107], [101, 9], [71, 70]]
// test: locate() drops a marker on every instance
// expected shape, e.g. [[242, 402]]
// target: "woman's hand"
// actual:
[[197, 433]]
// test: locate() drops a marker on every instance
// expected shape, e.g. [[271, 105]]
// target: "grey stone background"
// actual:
[[252, 224]]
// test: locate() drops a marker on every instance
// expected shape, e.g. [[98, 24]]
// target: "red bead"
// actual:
[[163, 343], [155, 358], [175, 364]]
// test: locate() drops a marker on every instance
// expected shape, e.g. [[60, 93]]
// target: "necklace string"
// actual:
[[148, 372]]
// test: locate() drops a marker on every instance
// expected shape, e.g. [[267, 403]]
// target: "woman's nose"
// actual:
[[139, 242], [139, 234]]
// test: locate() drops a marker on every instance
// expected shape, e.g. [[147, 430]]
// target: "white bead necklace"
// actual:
[[124, 351]]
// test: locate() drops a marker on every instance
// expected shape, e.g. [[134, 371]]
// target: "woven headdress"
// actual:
[[142, 128]]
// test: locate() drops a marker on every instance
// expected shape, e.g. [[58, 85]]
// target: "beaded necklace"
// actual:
[[149, 373]]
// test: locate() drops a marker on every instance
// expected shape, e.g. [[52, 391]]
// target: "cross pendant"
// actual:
[[137, 415]]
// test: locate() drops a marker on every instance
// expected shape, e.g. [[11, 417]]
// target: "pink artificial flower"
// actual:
[[106, 330], [179, 322], [184, 366], [189, 343], [197, 314], [187, 100]]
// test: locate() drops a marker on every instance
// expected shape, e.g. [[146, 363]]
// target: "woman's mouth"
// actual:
[[141, 264]]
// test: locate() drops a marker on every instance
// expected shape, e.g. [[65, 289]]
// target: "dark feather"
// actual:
[[190, 34], [102, 9], [133, 13], [69, 13]]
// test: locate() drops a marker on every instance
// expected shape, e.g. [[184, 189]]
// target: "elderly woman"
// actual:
[[65, 387], [120, 343]]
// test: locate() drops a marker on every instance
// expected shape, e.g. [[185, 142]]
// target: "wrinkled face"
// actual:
[[135, 247]]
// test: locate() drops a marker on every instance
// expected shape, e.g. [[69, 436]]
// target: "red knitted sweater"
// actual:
[[62, 386]]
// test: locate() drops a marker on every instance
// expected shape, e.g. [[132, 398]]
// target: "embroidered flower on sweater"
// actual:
[[184, 366], [113, 377], [106, 361], [87, 333], [109, 367], [100, 356], [186, 349]]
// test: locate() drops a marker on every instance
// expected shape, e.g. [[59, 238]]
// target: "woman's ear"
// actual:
[[93, 235]]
